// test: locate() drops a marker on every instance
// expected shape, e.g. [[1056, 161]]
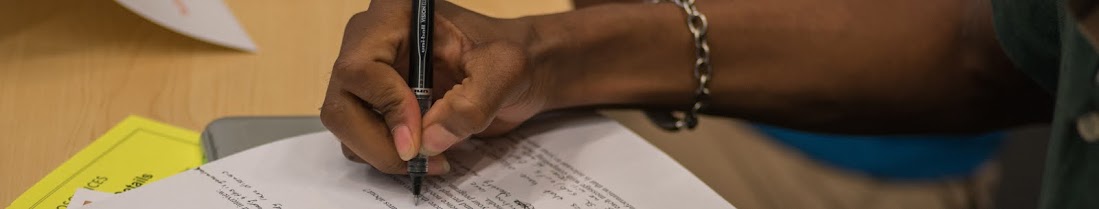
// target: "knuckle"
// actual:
[[478, 115], [330, 112], [359, 16], [386, 98], [356, 74], [344, 69], [344, 65], [470, 109]]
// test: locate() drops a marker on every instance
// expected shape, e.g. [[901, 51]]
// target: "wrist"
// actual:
[[618, 55], [544, 47]]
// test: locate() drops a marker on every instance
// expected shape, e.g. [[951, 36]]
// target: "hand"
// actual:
[[482, 84]]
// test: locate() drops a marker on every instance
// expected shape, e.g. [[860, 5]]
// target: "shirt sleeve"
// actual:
[[1029, 33]]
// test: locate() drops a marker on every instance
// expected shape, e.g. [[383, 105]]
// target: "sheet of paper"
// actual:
[[84, 197], [207, 20], [573, 162], [135, 152]]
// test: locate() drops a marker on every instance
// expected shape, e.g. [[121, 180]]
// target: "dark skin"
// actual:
[[845, 66]]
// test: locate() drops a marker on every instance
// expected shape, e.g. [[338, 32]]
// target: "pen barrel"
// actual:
[[420, 73], [420, 40], [417, 165], [423, 97], [417, 169]]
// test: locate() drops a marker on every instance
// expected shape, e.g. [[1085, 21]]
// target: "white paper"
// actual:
[[84, 197], [206, 20], [574, 162]]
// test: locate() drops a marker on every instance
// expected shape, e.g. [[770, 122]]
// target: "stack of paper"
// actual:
[[207, 20], [85, 197], [586, 162], [134, 153]]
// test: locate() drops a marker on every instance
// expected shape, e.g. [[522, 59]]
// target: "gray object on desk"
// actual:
[[227, 136]]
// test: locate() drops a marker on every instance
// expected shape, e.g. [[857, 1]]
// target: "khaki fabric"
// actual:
[[752, 171]]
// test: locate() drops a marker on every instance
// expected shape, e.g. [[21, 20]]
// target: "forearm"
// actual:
[[587, 3], [598, 52], [842, 66]]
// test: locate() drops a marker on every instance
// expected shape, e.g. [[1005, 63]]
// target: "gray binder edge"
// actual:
[[229, 135]]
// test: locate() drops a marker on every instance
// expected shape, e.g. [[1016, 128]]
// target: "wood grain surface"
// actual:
[[71, 69]]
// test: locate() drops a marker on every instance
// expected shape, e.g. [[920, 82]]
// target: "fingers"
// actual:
[[350, 123], [370, 46], [369, 107], [376, 34], [361, 130], [350, 155], [436, 165], [493, 74], [379, 86]]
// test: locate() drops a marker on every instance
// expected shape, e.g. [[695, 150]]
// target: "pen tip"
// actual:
[[417, 182]]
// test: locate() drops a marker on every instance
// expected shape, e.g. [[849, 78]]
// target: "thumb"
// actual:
[[493, 72]]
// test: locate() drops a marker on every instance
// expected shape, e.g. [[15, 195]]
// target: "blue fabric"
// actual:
[[902, 157]]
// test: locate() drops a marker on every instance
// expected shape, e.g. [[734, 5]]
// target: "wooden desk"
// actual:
[[71, 69]]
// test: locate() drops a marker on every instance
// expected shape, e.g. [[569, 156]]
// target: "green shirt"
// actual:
[[1044, 41]]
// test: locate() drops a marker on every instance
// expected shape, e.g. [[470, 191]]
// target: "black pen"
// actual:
[[419, 77]]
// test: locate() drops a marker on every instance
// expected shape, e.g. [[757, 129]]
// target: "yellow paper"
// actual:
[[136, 152]]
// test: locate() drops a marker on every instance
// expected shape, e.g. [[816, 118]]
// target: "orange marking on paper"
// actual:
[[182, 7]]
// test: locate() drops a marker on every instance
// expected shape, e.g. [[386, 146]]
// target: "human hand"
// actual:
[[482, 84]]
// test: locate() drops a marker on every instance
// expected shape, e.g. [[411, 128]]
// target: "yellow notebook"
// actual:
[[135, 152]]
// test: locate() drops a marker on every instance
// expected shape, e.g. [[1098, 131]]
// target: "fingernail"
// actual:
[[436, 140], [438, 165], [402, 139]]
